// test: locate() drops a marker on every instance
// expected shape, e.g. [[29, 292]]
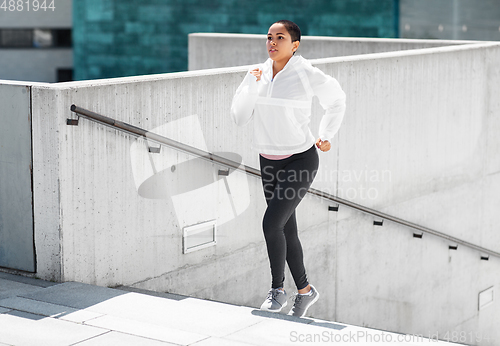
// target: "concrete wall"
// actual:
[[419, 141], [16, 211], [427, 117], [209, 50]]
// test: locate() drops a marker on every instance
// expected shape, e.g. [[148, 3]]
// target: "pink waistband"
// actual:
[[275, 157]]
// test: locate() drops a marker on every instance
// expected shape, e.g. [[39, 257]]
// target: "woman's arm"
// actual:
[[332, 98], [245, 97]]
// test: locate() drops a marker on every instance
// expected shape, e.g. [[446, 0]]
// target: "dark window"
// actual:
[[16, 38], [64, 74], [36, 38], [62, 38]]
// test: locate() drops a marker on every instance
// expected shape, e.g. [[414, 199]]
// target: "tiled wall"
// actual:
[[123, 38]]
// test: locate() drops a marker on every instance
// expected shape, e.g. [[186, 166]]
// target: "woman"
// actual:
[[277, 96]]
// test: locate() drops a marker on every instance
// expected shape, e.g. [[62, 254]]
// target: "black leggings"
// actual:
[[285, 183]]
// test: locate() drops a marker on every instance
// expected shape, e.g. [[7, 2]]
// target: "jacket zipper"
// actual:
[[270, 90]]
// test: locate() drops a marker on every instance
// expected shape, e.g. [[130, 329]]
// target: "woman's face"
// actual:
[[279, 43]]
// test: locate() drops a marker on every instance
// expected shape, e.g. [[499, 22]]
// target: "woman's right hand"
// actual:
[[257, 73]]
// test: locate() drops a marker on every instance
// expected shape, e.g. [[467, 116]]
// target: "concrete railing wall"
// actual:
[[210, 50], [418, 141]]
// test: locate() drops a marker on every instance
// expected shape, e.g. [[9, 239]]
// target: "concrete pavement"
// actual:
[[36, 312]]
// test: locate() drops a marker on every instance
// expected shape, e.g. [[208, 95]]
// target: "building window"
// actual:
[[64, 74], [35, 38], [42, 38], [16, 38], [62, 38]]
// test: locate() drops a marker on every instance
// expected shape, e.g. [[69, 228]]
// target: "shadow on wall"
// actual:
[[192, 183]]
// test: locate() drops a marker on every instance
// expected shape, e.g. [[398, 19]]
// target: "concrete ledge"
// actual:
[[212, 50]]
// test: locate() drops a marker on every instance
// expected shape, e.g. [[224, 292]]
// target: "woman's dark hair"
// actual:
[[292, 28]]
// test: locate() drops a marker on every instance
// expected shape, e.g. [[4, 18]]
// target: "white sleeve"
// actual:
[[244, 100], [332, 98]]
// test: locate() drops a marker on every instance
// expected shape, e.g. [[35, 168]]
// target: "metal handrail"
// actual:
[[255, 172]]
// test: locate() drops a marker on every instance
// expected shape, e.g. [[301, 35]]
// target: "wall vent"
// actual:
[[486, 298], [199, 236]]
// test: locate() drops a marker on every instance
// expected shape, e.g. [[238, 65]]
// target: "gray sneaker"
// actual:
[[302, 303], [275, 301]]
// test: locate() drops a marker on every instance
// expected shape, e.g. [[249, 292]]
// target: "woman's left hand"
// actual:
[[323, 145]]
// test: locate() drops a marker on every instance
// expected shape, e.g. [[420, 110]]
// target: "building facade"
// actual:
[[124, 38], [35, 40]]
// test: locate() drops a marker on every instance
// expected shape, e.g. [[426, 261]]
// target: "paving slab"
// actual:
[[121, 339], [80, 316], [9, 288], [26, 280], [3, 310], [274, 331], [213, 341], [74, 294], [303, 320], [217, 320], [48, 309], [24, 329], [152, 331], [190, 315], [172, 296]]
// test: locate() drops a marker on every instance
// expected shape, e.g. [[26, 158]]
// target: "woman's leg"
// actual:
[[294, 254], [285, 184], [271, 171]]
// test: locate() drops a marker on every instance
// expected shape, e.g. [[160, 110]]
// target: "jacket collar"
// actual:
[[294, 60]]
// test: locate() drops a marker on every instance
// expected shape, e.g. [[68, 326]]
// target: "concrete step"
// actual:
[[36, 312]]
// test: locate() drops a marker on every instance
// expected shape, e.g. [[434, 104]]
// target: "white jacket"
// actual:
[[281, 108]]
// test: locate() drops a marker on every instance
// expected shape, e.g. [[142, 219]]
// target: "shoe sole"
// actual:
[[314, 301], [268, 310]]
